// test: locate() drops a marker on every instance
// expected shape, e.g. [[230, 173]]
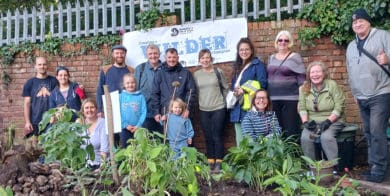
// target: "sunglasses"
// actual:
[[283, 40]]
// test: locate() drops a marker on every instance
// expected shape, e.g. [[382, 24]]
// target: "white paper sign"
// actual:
[[116, 112], [220, 36]]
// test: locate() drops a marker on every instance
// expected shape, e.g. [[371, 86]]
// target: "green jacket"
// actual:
[[331, 99]]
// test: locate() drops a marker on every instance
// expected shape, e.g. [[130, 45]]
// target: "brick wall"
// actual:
[[85, 69]]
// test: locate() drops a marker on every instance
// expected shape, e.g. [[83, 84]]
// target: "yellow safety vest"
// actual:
[[249, 87]]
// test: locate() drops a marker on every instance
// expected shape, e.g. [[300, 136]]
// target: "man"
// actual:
[[175, 79], [144, 74], [36, 93], [370, 87], [112, 75]]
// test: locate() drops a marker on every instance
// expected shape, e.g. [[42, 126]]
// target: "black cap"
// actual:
[[360, 14], [118, 47]]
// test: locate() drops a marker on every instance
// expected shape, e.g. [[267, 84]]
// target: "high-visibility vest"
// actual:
[[250, 87]]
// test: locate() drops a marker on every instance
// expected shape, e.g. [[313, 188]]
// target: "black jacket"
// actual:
[[163, 87]]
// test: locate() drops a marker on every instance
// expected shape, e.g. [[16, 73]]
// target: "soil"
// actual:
[[20, 170]]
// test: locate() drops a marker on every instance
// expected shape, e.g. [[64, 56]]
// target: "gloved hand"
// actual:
[[310, 125], [325, 125]]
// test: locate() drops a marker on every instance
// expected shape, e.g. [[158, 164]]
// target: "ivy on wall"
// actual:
[[53, 46], [333, 18]]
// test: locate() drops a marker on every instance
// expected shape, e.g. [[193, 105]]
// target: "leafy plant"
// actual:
[[7, 191], [333, 18], [254, 162], [148, 167], [63, 139], [147, 18]]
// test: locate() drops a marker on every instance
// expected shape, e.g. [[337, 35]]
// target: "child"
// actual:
[[132, 107], [260, 119], [180, 131]]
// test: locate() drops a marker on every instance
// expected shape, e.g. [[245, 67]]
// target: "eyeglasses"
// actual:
[[261, 98], [315, 104], [283, 40]]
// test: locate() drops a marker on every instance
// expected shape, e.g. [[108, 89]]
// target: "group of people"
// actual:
[[278, 99]]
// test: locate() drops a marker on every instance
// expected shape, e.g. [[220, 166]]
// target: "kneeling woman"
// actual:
[[321, 105], [260, 119]]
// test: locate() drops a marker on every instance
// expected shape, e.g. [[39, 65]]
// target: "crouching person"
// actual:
[[321, 105]]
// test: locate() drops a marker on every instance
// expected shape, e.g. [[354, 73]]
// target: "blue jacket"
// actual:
[[256, 71], [144, 74], [162, 88], [133, 108], [72, 101]]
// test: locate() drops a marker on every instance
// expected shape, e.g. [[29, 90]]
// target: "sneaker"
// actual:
[[375, 178]]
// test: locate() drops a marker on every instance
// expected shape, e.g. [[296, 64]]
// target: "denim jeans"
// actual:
[[213, 125], [375, 113], [125, 135]]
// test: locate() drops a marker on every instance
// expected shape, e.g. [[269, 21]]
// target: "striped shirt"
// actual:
[[256, 123]]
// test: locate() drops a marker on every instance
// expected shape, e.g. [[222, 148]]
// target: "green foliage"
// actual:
[[333, 18], [63, 139], [147, 18], [254, 162], [149, 168], [7, 191]]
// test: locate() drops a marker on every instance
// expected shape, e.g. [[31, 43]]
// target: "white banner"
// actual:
[[220, 36]]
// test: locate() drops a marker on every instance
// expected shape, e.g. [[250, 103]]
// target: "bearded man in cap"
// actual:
[[112, 75], [370, 86]]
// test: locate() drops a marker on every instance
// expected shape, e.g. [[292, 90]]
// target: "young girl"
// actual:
[[260, 119], [132, 107], [179, 130]]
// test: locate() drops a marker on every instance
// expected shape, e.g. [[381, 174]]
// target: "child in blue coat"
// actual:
[[132, 107], [179, 129]]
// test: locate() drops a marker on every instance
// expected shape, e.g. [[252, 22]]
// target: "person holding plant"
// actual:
[[66, 93], [286, 72], [132, 107], [96, 132], [247, 67], [260, 120], [212, 88], [321, 106], [179, 129]]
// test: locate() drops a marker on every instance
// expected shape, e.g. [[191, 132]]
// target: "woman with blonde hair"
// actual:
[[286, 72]]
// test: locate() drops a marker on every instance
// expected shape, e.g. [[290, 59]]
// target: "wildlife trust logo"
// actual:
[[184, 30]]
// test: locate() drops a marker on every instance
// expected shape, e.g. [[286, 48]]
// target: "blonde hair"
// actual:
[[286, 33], [128, 75], [85, 101], [307, 83], [180, 101]]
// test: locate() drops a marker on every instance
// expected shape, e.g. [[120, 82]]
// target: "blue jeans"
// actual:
[[125, 135], [213, 124], [375, 113]]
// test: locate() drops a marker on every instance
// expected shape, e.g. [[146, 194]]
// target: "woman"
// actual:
[[66, 92], [251, 69], [321, 106], [96, 132], [212, 88], [286, 72], [260, 120]]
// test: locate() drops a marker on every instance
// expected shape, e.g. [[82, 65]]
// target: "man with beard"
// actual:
[[112, 75], [36, 93]]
